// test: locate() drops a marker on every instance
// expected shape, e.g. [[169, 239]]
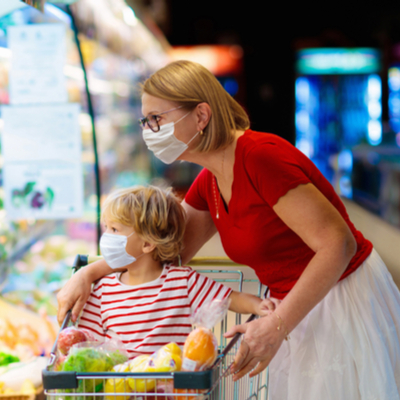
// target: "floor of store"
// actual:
[[385, 238]]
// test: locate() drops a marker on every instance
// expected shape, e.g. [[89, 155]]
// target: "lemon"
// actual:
[[173, 348], [168, 362], [142, 363], [117, 385], [138, 362]]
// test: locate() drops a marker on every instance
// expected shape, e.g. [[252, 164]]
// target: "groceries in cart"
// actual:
[[201, 346], [78, 354], [138, 379], [167, 359], [89, 356], [70, 336]]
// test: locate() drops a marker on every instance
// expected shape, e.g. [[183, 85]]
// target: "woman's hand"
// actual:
[[261, 341]]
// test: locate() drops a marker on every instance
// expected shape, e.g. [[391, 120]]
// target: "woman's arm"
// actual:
[[76, 291], [311, 216], [199, 229]]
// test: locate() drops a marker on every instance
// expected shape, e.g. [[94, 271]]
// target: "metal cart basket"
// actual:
[[213, 384]]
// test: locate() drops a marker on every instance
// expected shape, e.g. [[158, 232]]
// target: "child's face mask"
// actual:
[[113, 249]]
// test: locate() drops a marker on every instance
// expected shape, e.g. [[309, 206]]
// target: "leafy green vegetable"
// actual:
[[117, 357], [89, 359], [6, 359]]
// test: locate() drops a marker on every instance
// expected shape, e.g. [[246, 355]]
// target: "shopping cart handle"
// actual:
[[80, 261], [234, 340], [63, 326]]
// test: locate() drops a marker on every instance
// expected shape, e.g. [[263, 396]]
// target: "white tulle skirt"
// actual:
[[348, 346]]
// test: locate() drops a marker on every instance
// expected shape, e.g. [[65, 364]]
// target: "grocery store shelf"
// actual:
[[23, 245]]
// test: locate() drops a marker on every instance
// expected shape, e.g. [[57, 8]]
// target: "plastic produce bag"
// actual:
[[201, 347], [70, 336], [166, 359], [94, 357], [115, 350]]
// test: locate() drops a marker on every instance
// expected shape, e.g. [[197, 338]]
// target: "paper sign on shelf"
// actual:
[[42, 172], [37, 64]]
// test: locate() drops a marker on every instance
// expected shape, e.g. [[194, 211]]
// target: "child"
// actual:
[[148, 305]]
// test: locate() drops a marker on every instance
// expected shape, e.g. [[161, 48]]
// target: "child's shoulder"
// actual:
[[107, 280], [172, 269]]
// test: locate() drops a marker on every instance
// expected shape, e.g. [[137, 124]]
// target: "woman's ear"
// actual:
[[203, 114], [148, 247]]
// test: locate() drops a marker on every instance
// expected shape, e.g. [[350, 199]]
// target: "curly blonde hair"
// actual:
[[188, 84], [156, 215]]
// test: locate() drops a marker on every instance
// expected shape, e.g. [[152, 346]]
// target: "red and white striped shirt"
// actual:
[[148, 316]]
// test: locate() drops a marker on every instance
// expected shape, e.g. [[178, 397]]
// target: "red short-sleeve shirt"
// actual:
[[266, 168]]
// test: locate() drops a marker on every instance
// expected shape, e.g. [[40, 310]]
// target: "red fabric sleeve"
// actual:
[[274, 170], [197, 193]]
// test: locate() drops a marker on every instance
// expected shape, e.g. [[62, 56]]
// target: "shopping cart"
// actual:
[[213, 384]]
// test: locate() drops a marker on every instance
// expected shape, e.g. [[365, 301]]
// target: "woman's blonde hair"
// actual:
[[189, 84], [156, 215]]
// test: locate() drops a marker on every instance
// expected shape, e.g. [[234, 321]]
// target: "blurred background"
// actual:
[[326, 77]]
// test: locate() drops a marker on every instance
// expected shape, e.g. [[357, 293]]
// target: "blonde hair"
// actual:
[[156, 215], [189, 84]]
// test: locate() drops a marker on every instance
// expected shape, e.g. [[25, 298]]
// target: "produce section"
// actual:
[[36, 255]]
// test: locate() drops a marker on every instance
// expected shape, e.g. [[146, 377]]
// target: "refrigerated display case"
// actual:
[[118, 53], [338, 104], [394, 96], [376, 169]]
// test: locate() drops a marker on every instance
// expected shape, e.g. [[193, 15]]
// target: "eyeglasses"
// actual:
[[152, 120]]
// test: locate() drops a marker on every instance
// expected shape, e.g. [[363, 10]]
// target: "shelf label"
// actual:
[[38, 56], [42, 169]]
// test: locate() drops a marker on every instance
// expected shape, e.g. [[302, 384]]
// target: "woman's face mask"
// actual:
[[164, 144], [113, 249]]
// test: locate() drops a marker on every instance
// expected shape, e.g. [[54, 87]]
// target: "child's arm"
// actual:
[[245, 303], [91, 319], [76, 291]]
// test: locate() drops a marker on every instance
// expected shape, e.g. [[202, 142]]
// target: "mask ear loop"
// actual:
[[180, 119], [187, 144]]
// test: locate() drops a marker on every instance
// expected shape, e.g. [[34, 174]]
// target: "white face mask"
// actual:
[[113, 249], [164, 144]]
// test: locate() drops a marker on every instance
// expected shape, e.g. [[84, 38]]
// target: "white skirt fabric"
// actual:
[[348, 346]]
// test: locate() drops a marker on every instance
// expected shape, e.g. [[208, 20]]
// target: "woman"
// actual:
[[276, 213]]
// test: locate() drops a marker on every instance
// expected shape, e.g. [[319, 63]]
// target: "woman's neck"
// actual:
[[219, 162], [145, 269]]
